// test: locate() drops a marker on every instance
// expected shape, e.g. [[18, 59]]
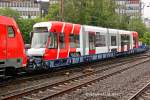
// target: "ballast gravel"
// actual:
[[119, 87]]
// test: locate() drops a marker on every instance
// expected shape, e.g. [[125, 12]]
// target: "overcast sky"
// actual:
[[146, 8], [43, 0]]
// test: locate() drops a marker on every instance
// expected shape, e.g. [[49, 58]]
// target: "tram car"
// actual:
[[56, 44]]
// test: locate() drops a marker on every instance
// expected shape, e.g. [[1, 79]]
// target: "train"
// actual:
[[12, 50], [55, 44]]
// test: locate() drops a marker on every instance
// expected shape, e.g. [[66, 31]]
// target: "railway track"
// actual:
[[142, 94], [33, 77], [55, 73], [47, 90], [24, 82], [36, 76]]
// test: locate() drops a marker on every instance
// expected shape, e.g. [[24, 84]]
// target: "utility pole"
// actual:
[[62, 9]]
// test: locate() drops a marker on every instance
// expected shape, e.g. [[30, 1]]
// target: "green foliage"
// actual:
[[90, 12], [137, 25], [53, 13], [105, 12], [146, 38], [10, 13], [25, 26], [94, 12]]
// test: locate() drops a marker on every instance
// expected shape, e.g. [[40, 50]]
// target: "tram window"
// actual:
[[113, 41], [62, 40], [97, 39], [100, 40], [40, 29], [91, 41], [77, 41], [125, 39], [72, 40], [53, 40]]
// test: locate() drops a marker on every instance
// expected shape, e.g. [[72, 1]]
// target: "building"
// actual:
[[26, 8], [51, 2], [131, 8], [147, 23]]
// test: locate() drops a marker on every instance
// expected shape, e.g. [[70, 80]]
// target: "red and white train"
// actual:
[[55, 40], [56, 44]]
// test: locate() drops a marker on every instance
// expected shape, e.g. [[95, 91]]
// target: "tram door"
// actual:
[[92, 43], [125, 42]]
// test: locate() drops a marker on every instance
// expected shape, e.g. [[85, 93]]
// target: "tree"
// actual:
[[91, 12], [53, 13], [97, 13], [26, 27], [10, 13], [146, 38], [137, 25]]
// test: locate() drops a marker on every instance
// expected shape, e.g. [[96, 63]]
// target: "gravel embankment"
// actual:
[[118, 87], [101, 90]]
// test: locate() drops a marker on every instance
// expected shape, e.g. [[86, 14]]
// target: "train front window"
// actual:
[[39, 40], [40, 37]]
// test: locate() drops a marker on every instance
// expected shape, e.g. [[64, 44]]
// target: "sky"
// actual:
[[146, 8], [43, 0]]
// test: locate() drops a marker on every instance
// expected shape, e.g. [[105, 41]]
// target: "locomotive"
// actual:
[[55, 44], [12, 51]]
